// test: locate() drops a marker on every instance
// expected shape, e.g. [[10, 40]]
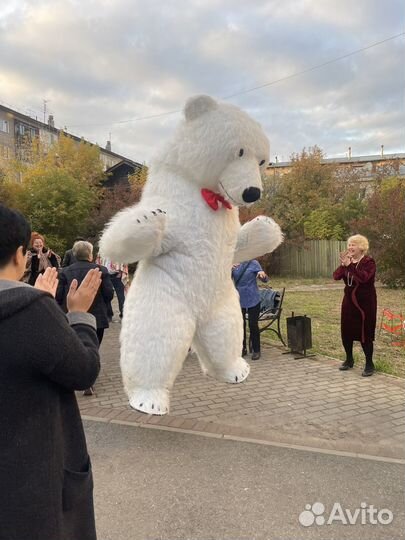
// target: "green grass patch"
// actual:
[[323, 307]]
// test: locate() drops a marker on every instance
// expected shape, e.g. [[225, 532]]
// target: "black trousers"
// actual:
[[100, 335], [253, 318], [120, 291]]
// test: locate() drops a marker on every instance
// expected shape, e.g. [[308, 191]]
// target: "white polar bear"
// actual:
[[182, 294]]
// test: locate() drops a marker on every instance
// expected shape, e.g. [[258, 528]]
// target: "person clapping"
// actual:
[[359, 305], [39, 258], [45, 474]]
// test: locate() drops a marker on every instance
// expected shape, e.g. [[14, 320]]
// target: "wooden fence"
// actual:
[[314, 258]]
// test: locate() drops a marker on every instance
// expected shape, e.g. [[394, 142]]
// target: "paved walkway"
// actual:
[[151, 484], [298, 402]]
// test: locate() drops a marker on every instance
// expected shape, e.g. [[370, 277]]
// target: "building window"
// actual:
[[4, 126]]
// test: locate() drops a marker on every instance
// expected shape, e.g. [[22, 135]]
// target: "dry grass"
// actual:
[[323, 307]]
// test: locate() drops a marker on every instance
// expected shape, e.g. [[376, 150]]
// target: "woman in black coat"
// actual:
[[46, 485], [39, 258]]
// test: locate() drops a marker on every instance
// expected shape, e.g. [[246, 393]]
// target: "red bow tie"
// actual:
[[212, 199]]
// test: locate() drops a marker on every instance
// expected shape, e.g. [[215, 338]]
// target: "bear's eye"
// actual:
[[263, 161], [241, 151]]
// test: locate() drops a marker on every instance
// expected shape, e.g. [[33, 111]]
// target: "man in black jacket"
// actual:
[[45, 472], [83, 253]]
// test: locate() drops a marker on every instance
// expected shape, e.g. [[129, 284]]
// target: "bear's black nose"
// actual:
[[251, 194]]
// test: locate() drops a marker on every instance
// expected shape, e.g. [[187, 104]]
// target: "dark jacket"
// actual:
[[45, 473], [105, 294], [68, 258]]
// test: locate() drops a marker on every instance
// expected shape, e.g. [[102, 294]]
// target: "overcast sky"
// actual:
[[101, 63]]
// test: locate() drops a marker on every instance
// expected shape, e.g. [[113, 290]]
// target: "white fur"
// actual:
[[182, 294]]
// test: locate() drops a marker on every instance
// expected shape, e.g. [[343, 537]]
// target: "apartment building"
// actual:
[[16, 129], [362, 169]]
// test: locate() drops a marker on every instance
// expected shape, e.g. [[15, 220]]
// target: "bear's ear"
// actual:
[[198, 105]]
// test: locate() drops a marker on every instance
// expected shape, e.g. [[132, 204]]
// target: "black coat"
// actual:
[[105, 294], [34, 268], [45, 473], [68, 258]]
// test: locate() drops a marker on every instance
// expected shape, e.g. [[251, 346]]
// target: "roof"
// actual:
[[353, 159], [125, 161]]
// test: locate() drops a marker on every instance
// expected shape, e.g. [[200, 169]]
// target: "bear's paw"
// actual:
[[154, 401], [133, 234], [235, 373]]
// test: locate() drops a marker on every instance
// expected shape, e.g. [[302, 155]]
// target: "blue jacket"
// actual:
[[247, 284]]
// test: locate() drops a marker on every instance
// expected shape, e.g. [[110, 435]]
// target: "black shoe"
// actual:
[[88, 391], [244, 352], [347, 364], [256, 355], [368, 370]]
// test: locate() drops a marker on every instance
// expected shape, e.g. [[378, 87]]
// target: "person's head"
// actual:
[[37, 241], [15, 234], [79, 239], [83, 251], [357, 245]]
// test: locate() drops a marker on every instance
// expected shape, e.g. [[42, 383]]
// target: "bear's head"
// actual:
[[219, 147]]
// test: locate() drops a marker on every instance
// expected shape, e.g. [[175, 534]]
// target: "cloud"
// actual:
[[101, 62]]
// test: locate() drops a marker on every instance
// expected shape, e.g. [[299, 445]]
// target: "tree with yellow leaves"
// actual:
[[58, 189]]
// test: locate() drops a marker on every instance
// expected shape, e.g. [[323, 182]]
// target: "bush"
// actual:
[[384, 225]]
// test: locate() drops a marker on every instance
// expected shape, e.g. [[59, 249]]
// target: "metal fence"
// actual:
[[314, 258]]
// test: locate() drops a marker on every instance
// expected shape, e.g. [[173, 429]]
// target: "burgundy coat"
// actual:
[[359, 306]]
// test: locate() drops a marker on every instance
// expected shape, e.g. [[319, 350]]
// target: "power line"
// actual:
[[254, 88], [315, 67]]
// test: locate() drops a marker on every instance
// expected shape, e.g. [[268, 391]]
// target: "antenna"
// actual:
[[45, 102]]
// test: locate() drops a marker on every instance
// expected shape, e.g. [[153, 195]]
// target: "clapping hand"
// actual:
[[345, 258], [81, 298], [48, 281]]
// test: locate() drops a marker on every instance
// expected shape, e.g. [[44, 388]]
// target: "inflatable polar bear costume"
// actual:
[[182, 294]]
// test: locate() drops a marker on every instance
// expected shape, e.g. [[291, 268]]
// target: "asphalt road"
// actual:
[[152, 484]]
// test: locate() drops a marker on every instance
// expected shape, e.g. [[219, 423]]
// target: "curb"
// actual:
[[250, 440]]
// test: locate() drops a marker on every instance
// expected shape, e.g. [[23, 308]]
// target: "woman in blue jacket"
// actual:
[[245, 278]]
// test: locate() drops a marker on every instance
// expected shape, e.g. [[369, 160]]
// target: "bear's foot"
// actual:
[[236, 373], [154, 401]]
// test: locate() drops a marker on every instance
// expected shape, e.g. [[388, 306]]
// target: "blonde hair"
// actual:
[[360, 241]]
